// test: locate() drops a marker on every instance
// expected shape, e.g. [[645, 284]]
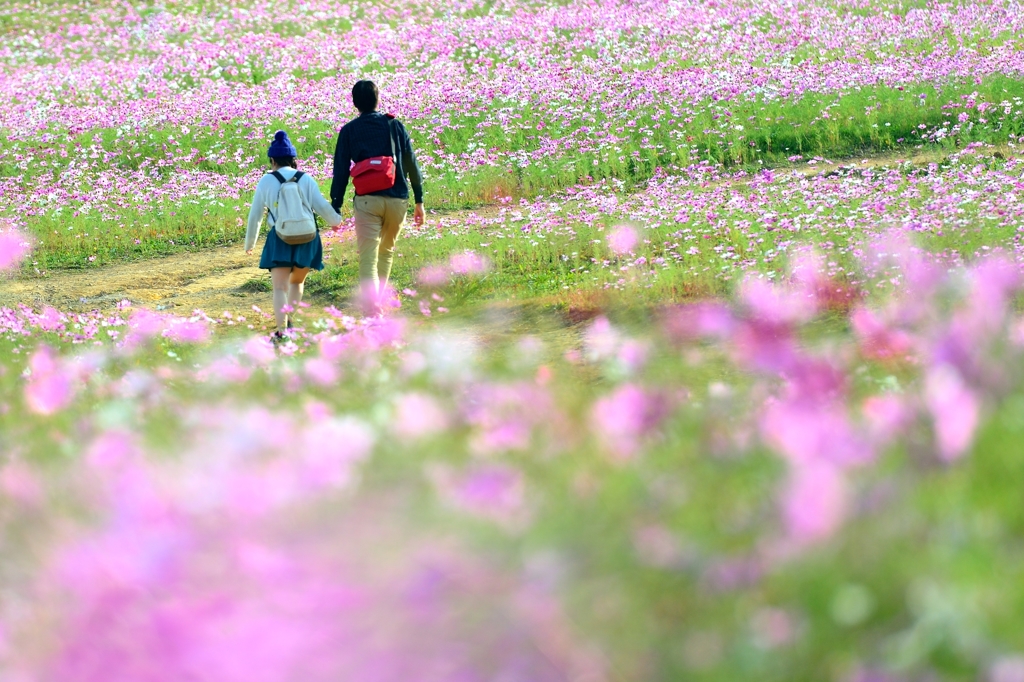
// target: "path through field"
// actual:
[[212, 280], [220, 279]]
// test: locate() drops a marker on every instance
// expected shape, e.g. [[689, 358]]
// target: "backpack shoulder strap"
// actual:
[[391, 135], [280, 178], [295, 178]]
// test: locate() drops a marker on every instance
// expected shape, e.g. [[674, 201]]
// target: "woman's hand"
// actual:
[[417, 215], [248, 252]]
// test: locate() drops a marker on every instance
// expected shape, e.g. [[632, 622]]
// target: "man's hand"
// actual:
[[417, 215]]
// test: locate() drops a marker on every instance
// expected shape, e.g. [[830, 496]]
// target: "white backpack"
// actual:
[[294, 222]]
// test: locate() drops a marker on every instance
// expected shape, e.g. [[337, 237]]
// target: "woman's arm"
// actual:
[[319, 204], [259, 204]]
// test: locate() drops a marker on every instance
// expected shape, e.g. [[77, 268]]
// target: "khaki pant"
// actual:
[[378, 222]]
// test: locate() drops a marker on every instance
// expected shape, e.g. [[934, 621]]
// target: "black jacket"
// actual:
[[368, 136]]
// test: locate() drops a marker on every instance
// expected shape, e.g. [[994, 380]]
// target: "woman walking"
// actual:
[[288, 263]]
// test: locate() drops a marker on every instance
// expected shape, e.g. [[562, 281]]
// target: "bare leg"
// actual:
[[297, 286], [279, 278]]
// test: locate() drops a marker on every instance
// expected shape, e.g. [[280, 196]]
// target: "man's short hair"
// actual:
[[365, 96]]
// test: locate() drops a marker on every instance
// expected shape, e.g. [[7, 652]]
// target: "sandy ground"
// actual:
[[213, 280]]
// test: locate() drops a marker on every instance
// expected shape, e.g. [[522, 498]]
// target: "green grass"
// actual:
[[568, 264], [134, 237], [744, 134], [571, 265], [878, 120]]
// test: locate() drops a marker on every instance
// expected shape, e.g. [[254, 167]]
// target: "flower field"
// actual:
[[505, 99], [707, 364]]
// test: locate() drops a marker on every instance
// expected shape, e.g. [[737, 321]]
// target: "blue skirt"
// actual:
[[277, 254]]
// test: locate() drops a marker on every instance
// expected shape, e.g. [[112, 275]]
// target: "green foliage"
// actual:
[[738, 135]]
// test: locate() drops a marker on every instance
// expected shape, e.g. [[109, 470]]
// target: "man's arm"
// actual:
[[342, 162], [412, 171]]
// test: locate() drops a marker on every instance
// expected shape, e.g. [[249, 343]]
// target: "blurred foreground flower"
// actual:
[[626, 419], [622, 239], [13, 248], [469, 263], [389, 499], [48, 388]]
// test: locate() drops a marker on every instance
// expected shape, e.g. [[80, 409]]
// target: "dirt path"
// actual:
[[221, 279], [213, 280]]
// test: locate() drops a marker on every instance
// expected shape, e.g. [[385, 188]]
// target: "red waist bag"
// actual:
[[373, 174], [377, 172]]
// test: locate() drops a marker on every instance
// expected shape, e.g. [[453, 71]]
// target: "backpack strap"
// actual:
[[391, 135], [294, 178], [279, 178]]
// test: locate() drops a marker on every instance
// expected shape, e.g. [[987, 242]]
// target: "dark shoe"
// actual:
[[277, 338]]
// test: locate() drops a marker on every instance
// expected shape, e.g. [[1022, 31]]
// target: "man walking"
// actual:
[[380, 214]]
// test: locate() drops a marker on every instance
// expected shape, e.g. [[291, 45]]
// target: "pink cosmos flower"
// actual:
[[224, 370], [698, 320], [775, 303], [321, 371], [633, 354], [469, 263], [807, 267], [49, 388], [805, 432], [187, 330], [601, 339], [955, 409], [13, 248], [766, 347], [885, 417], [332, 447], [384, 333], [418, 415], [432, 276], [260, 350], [627, 417], [50, 320], [622, 239], [814, 501], [494, 491], [142, 325], [505, 416], [993, 282], [877, 340], [112, 450]]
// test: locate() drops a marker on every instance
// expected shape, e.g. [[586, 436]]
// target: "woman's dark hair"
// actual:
[[283, 161], [365, 96]]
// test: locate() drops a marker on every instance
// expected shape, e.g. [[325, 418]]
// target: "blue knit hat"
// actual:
[[281, 146]]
